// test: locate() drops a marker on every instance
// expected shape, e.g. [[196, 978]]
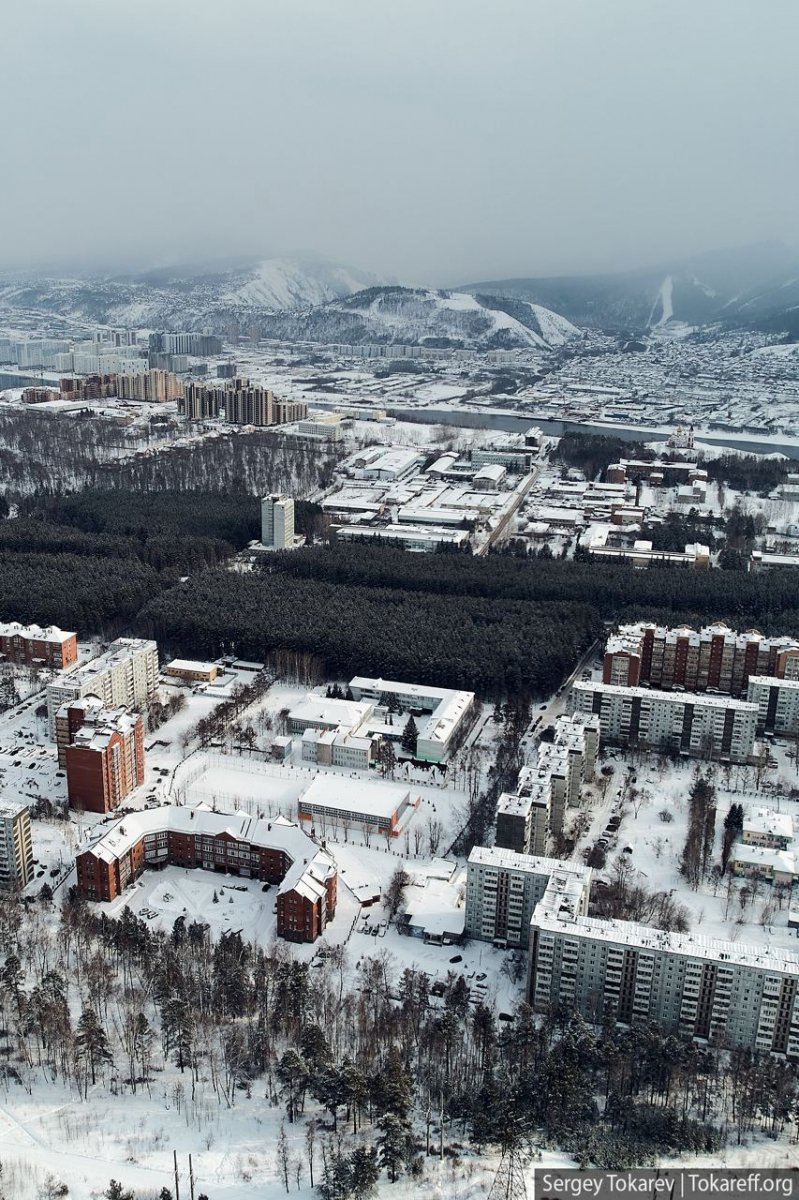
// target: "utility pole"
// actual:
[[177, 1184], [191, 1178]]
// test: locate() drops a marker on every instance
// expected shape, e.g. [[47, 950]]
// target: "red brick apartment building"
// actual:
[[34, 646], [716, 659], [275, 851], [103, 752]]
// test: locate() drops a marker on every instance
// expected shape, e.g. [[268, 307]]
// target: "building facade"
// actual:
[[619, 971], [201, 401], [700, 726], [126, 674], [16, 848], [528, 817], [714, 659], [274, 851], [34, 646], [503, 889], [277, 522], [248, 403], [155, 386], [104, 756], [449, 712], [333, 802], [777, 703]]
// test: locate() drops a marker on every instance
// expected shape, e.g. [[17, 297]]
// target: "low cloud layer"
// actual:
[[436, 141]]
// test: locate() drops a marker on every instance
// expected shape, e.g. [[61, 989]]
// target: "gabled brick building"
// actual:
[[275, 851], [34, 646]]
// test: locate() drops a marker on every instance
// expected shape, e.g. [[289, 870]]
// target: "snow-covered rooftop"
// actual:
[[339, 792], [278, 833], [38, 633]]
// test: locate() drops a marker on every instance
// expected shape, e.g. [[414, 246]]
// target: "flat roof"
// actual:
[[766, 820], [11, 808], [645, 937], [188, 664], [531, 864], [378, 798], [331, 712], [700, 700], [772, 681]]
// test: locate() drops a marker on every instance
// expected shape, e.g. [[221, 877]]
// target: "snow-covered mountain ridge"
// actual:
[[413, 316]]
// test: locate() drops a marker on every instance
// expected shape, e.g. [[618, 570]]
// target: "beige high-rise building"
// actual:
[[126, 674], [155, 385], [201, 401], [16, 850], [248, 404]]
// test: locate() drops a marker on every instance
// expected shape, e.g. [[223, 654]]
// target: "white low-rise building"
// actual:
[[334, 802], [449, 711], [322, 712], [763, 862], [765, 827]]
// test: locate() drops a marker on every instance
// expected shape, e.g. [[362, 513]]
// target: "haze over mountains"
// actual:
[[314, 299], [754, 285]]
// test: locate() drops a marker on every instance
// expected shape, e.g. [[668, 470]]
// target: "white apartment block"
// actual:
[[527, 818], [695, 724], [16, 851], [126, 674], [777, 703], [503, 889], [619, 971], [449, 711], [277, 522]]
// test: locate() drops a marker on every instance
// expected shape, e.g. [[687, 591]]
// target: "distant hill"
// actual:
[[282, 284], [417, 315], [755, 286], [192, 296]]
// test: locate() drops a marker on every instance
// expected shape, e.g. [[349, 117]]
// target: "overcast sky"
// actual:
[[436, 141]]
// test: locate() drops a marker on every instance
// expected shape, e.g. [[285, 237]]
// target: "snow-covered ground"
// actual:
[[656, 837]]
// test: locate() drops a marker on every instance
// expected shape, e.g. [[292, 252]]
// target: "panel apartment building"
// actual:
[[693, 724], [724, 992], [277, 522], [201, 401], [275, 851], [16, 850], [535, 812], [715, 659], [127, 674], [155, 386], [777, 703], [620, 971], [503, 889], [250, 404], [34, 646]]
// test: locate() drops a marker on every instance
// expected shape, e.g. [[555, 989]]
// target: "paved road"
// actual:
[[497, 534]]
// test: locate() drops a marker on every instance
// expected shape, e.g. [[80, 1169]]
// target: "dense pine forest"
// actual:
[[449, 638], [111, 561]]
